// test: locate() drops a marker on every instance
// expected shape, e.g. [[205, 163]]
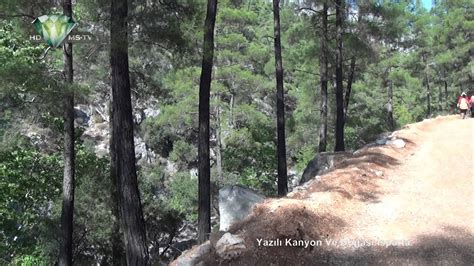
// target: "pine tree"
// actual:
[[67, 213], [281, 144], [204, 211], [323, 72], [132, 222], [339, 77]]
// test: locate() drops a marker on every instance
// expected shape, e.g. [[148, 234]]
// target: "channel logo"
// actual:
[[56, 29]]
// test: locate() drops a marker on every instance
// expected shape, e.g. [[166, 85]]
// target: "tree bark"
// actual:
[[323, 71], [204, 198], [220, 175], [118, 254], [281, 146], [446, 97], [67, 212], [428, 96], [391, 121], [339, 77], [440, 98], [132, 222], [350, 80]]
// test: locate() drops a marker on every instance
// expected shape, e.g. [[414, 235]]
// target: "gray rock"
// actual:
[[381, 141], [235, 203], [230, 246], [397, 143], [382, 138], [179, 247], [195, 255], [294, 179], [322, 162], [81, 117], [143, 153], [151, 112]]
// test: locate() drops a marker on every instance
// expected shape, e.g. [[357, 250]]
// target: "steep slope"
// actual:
[[385, 206]]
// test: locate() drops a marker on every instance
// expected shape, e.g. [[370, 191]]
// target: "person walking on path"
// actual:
[[463, 104]]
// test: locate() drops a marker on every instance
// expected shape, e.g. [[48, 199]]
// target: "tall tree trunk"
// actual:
[[204, 209], [132, 222], [428, 96], [220, 175], [350, 80], [339, 77], [281, 147], [118, 254], [391, 121], [440, 98], [219, 144], [323, 71], [446, 96], [67, 213], [232, 103]]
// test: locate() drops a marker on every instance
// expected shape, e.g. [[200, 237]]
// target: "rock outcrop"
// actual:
[[322, 162], [235, 203]]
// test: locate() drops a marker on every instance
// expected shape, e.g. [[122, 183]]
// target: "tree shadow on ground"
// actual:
[[365, 160], [455, 246]]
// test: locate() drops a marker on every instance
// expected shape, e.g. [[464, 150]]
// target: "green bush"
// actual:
[[183, 195]]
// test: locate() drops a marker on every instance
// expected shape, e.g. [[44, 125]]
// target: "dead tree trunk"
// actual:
[[204, 198]]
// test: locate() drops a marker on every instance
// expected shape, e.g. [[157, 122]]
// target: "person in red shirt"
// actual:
[[471, 104], [463, 104]]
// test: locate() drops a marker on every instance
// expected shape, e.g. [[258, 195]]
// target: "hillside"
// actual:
[[417, 201]]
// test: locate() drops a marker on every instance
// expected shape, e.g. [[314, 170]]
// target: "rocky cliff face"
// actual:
[[94, 119]]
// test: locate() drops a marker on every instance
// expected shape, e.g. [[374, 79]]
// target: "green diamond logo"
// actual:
[[54, 28]]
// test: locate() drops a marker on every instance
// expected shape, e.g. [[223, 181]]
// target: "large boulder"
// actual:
[[235, 203], [322, 162]]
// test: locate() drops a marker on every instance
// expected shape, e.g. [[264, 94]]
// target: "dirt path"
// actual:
[[431, 203], [384, 206]]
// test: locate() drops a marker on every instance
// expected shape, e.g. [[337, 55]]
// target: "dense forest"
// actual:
[[112, 151]]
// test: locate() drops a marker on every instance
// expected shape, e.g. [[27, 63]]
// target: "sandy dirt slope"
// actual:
[[386, 206], [430, 203]]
